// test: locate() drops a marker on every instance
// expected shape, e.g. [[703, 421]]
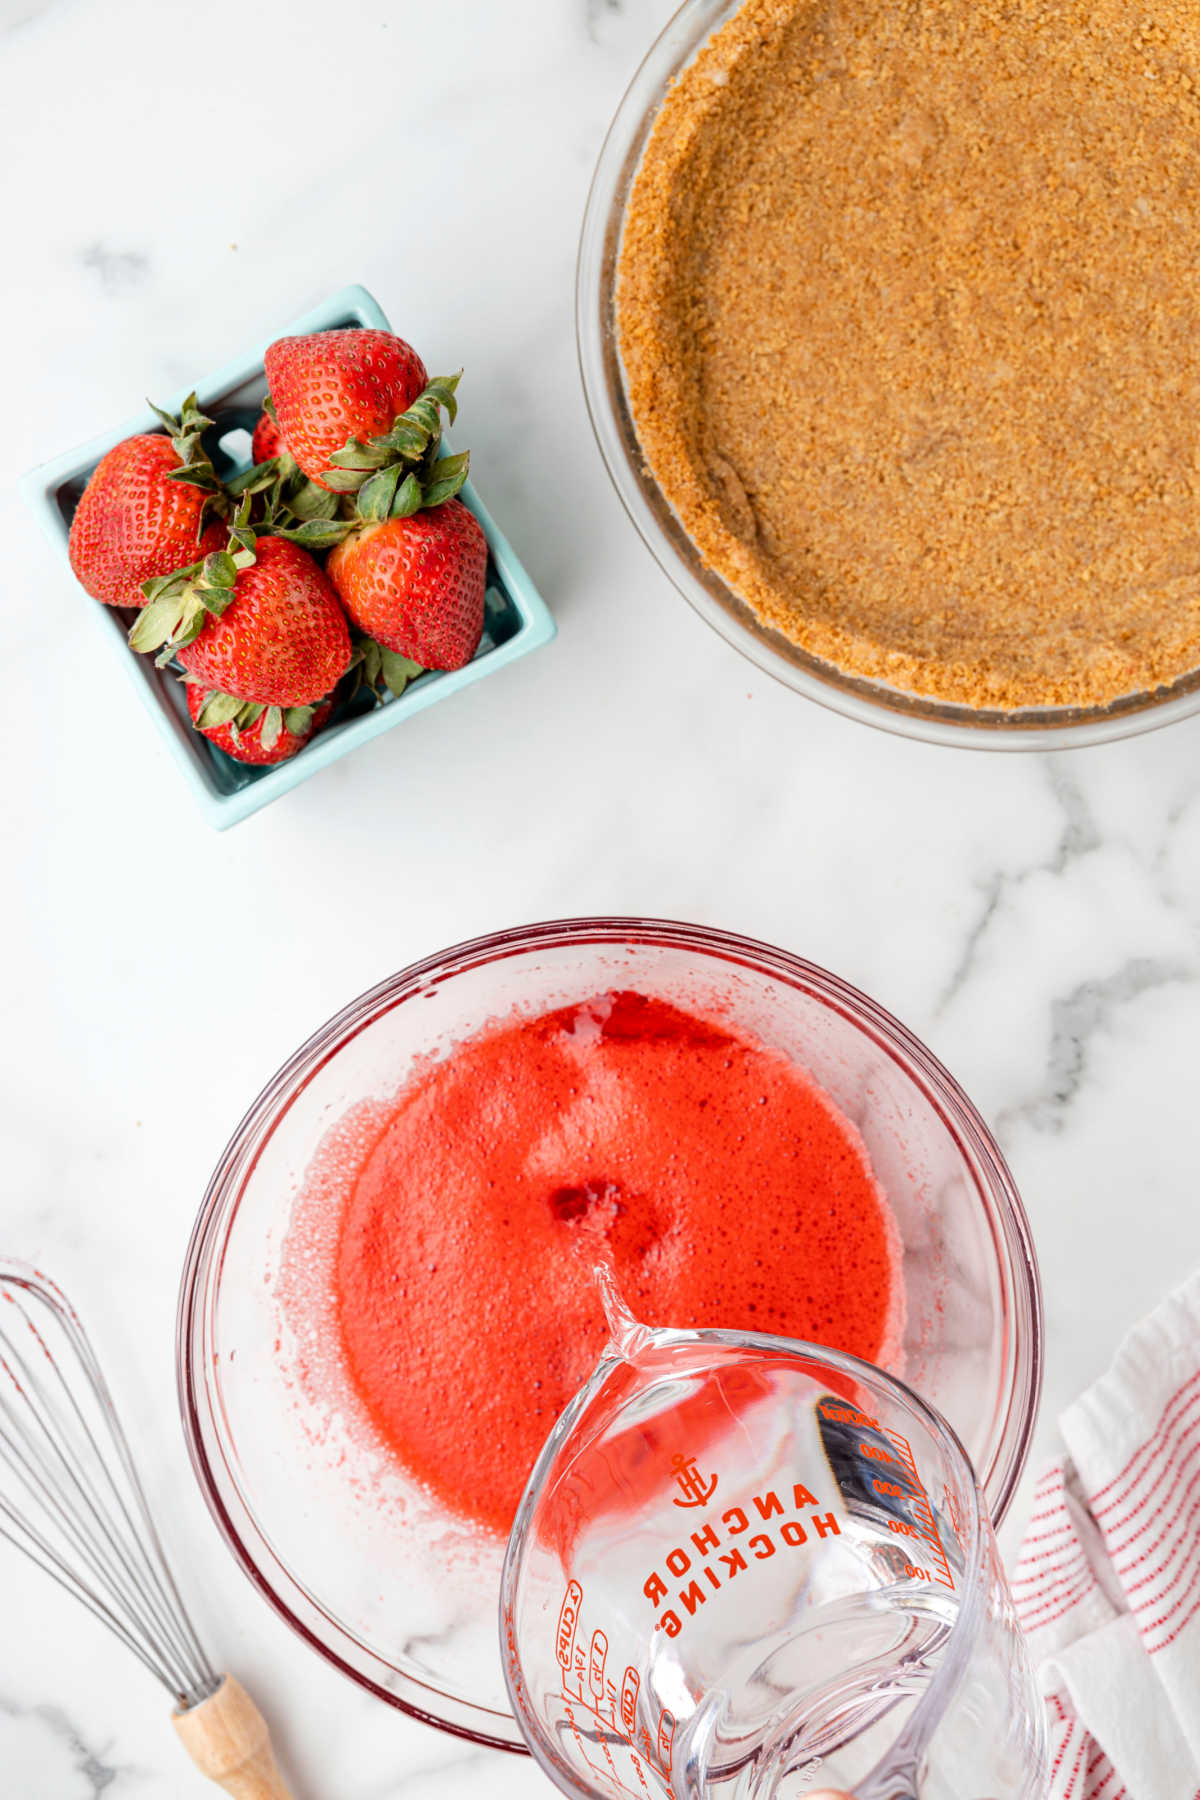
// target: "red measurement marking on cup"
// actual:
[[666, 1740], [924, 1523], [600, 1720], [568, 1619], [596, 1660], [629, 1694]]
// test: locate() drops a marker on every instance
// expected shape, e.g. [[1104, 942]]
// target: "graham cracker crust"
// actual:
[[909, 310]]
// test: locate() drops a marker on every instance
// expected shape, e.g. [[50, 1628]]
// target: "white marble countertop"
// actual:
[[182, 181]]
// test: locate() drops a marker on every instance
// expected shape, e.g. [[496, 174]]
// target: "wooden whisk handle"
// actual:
[[227, 1738]]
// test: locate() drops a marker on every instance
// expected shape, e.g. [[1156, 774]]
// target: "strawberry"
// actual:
[[252, 733], [282, 640], [416, 584], [332, 389], [260, 621], [143, 512], [268, 439]]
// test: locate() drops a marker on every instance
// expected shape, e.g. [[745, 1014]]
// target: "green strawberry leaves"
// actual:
[[287, 494], [305, 500], [407, 499], [410, 438], [393, 494], [353, 463], [447, 477], [375, 496], [396, 671], [242, 533], [375, 669], [316, 534], [226, 709], [187, 434], [389, 493], [179, 605], [297, 719], [256, 479]]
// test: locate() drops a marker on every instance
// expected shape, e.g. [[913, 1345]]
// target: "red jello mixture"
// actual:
[[725, 1185]]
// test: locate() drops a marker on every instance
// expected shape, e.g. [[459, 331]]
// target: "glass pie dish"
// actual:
[[868, 701]]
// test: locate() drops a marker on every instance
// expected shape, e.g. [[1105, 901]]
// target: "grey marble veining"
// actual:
[[1089, 1006], [42, 1737], [1078, 835], [1076, 1017]]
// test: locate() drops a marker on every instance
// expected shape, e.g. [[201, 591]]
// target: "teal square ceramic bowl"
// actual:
[[517, 618]]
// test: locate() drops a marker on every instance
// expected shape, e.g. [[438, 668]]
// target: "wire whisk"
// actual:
[[71, 1499]]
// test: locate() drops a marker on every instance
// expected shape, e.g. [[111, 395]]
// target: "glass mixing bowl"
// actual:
[[872, 703], [401, 1597]]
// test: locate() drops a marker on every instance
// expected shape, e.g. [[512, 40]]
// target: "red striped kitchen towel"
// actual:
[[1108, 1582]]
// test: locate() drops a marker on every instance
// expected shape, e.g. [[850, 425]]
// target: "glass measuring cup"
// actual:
[[746, 1568]]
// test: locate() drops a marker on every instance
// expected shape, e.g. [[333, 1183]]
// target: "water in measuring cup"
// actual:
[[747, 1583], [859, 1670]]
